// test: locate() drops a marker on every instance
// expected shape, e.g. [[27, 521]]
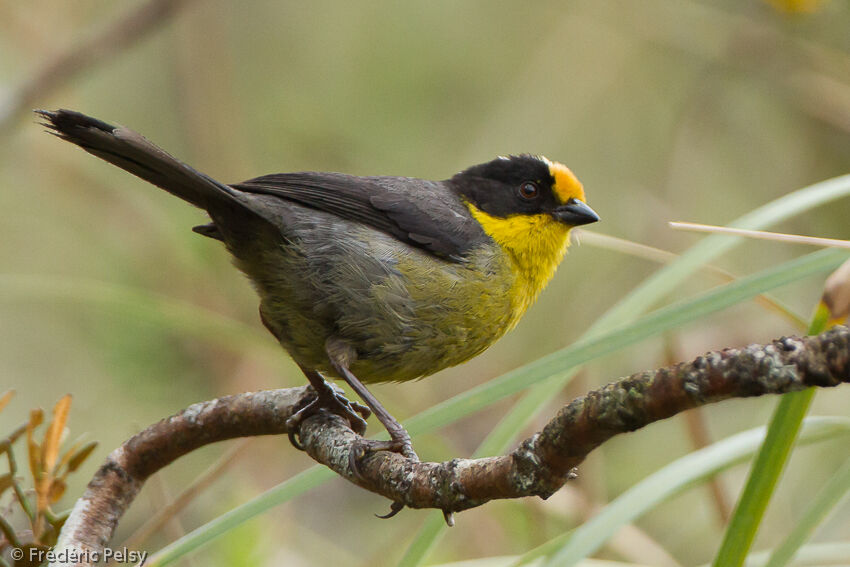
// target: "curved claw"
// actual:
[[395, 508], [293, 438]]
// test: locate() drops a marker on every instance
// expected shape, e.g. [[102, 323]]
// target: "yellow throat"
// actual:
[[536, 244]]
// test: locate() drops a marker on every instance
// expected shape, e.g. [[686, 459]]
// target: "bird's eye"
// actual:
[[528, 190]]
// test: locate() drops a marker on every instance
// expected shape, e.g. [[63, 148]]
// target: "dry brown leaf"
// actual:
[[77, 459], [836, 294], [761, 234], [35, 461], [66, 456], [57, 489], [36, 417], [5, 398], [53, 436]]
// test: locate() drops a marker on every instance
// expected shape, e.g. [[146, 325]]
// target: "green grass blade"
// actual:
[[822, 504], [767, 468], [769, 464], [430, 534], [299, 484], [679, 475], [829, 553], [815, 554]]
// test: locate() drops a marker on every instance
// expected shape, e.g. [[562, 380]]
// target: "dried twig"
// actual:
[[761, 234], [538, 467]]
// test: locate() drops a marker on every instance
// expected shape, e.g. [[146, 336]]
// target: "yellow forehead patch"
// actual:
[[567, 186]]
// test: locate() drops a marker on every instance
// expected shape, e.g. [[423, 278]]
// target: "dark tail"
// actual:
[[132, 152]]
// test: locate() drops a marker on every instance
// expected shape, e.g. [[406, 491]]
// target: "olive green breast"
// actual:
[[406, 313]]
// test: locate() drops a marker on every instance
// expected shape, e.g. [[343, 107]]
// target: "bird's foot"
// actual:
[[329, 398], [361, 447]]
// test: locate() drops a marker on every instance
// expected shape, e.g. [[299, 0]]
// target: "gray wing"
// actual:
[[425, 214]]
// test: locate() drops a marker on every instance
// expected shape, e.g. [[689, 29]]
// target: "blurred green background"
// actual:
[[689, 110]]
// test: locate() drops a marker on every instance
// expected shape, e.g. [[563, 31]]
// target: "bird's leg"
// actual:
[[341, 355], [330, 398], [327, 397]]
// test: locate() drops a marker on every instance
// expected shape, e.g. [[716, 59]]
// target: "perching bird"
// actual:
[[373, 279]]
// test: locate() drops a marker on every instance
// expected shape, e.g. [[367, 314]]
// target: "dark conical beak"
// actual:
[[575, 213]]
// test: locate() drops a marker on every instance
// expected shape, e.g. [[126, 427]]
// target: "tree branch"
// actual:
[[538, 467]]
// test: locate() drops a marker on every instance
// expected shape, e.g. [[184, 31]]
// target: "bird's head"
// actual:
[[525, 185], [527, 204]]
